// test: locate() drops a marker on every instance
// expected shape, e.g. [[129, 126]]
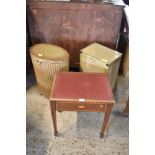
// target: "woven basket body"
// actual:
[[46, 66]]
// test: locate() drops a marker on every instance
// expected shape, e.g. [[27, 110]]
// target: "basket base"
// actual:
[[44, 93]]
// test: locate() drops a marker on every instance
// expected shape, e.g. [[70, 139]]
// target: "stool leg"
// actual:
[[126, 110], [53, 113], [106, 118]]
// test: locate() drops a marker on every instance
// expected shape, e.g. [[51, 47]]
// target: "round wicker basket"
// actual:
[[47, 59]]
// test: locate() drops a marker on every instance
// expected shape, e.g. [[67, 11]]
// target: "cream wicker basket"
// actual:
[[100, 59], [47, 59]]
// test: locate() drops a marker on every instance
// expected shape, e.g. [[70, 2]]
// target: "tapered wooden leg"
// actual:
[[126, 110], [106, 118], [53, 113]]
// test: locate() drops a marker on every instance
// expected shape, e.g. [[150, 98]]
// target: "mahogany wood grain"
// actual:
[[106, 118], [74, 25], [126, 110], [61, 106], [53, 113]]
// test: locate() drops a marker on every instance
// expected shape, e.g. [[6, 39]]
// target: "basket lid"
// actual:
[[49, 52], [102, 53]]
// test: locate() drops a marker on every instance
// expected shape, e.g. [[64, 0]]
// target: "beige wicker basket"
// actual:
[[48, 59]]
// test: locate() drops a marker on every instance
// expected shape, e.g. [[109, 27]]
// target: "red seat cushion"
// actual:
[[79, 85]]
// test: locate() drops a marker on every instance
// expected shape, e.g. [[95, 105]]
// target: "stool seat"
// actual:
[[85, 86]]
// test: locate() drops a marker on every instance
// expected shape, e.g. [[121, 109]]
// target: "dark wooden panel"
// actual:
[[75, 6], [54, 26], [96, 26], [74, 25]]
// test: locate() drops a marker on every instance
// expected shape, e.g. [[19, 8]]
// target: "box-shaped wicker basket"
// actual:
[[47, 59], [100, 59]]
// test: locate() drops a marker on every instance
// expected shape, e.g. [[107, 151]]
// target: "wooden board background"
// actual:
[[74, 25]]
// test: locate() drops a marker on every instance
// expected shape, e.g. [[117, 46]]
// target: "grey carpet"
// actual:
[[79, 131]]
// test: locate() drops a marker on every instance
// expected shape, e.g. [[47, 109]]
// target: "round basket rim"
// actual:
[[35, 45]]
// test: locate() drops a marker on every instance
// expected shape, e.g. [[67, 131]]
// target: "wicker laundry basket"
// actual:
[[100, 59], [47, 59]]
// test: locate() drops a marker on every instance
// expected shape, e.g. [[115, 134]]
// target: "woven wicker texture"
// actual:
[[48, 59], [49, 52]]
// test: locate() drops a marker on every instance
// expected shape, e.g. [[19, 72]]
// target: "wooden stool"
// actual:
[[76, 91]]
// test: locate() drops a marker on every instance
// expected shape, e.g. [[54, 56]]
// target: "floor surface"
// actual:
[[79, 131]]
